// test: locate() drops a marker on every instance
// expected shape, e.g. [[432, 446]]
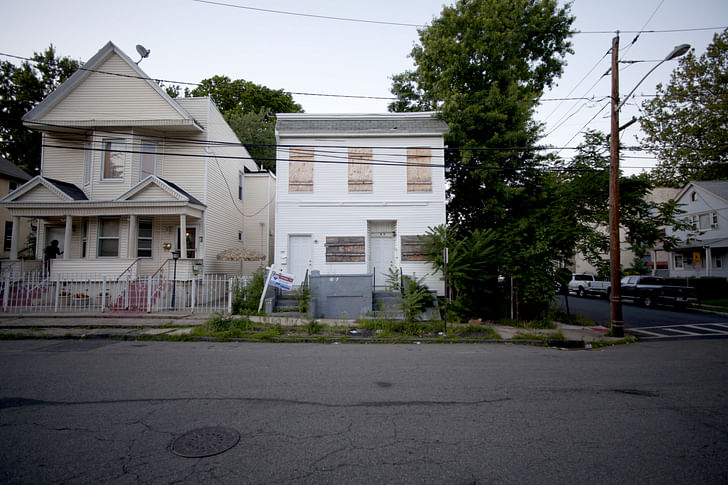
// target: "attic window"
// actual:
[[693, 197], [360, 170], [300, 170], [419, 170]]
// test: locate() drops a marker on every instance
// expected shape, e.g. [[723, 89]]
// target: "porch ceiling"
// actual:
[[106, 208], [711, 243]]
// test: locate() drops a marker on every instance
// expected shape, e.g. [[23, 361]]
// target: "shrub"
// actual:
[[246, 297]]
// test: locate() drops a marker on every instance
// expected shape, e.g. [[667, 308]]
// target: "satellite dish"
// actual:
[[142, 52]]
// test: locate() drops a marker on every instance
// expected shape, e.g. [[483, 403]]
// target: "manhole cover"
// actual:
[[203, 442]]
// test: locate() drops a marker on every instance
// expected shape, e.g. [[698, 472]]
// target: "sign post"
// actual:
[[277, 279]]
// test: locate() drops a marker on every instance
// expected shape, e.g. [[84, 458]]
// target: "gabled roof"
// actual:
[[63, 190], [174, 191], [34, 116], [387, 124], [10, 171], [716, 187], [719, 188]]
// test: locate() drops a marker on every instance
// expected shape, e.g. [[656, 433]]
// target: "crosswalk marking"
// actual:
[[687, 330]]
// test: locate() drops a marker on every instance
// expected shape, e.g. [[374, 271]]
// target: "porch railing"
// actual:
[[89, 293]]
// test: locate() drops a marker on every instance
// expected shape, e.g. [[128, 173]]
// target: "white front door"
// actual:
[[382, 258], [299, 256]]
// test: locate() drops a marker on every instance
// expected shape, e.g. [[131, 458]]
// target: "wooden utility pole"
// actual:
[[617, 324]]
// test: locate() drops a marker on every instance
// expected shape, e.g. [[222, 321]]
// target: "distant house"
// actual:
[[356, 191], [130, 175], [12, 177], [657, 259], [706, 209]]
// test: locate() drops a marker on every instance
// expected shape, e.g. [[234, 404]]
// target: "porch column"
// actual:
[[14, 241], [183, 236], [131, 247], [708, 259], [40, 240], [67, 238]]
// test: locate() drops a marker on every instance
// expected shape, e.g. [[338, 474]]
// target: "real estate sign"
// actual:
[[281, 280]]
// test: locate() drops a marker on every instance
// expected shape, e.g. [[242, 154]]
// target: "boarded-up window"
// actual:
[[300, 169], [413, 249], [360, 169], [419, 170], [345, 250]]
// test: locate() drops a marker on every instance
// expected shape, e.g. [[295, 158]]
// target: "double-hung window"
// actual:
[[88, 162], [108, 237], [241, 184], [147, 160], [114, 159]]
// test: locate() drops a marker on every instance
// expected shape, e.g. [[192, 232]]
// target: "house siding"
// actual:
[[224, 214], [332, 210], [134, 99]]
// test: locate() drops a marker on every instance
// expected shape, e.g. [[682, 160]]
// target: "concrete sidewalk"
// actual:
[[131, 325]]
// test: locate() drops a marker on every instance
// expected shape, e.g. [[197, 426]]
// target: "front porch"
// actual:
[[116, 247], [707, 258]]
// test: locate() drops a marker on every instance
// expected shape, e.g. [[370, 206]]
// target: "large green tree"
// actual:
[[21, 88], [250, 110], [686, 125], [483, 64]]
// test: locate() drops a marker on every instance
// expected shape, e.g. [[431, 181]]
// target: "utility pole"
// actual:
[[617, 324]]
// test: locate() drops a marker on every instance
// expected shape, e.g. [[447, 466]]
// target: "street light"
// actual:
[[175, 256], [617, 324]]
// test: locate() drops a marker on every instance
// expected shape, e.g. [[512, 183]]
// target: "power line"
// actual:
[[299, 14], [404, 24], [347, 161], [298, 93]]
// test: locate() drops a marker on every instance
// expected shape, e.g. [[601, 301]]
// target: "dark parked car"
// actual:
[[652, 290]]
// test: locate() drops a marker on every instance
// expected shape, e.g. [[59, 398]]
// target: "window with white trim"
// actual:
[[108, 239], [87, 163], [147, 160], [241, 184], [144, 238], [679, 261], [113, 159]]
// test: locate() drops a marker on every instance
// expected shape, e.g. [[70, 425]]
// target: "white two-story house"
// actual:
[[706, 209], [129, 176], [356, 191]]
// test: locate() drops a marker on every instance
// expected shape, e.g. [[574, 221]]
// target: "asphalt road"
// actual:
[[107, 411], [597, 309]]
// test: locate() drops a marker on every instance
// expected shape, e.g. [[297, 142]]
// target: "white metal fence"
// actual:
[[31, 292]]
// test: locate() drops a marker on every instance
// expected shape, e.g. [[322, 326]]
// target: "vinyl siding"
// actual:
[[133, 99], [259, 195], [64, 158], [39, 194], [224, 214]]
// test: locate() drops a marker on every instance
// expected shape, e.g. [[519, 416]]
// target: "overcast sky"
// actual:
[[191, 40]]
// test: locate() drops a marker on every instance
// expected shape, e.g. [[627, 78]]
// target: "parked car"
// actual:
[[584, 284], [652, 290]]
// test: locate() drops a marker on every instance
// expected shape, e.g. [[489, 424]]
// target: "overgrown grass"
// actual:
[[572, 319], [547, 324], [401, 327], [721, 303], [476, 331], [538, 336]]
